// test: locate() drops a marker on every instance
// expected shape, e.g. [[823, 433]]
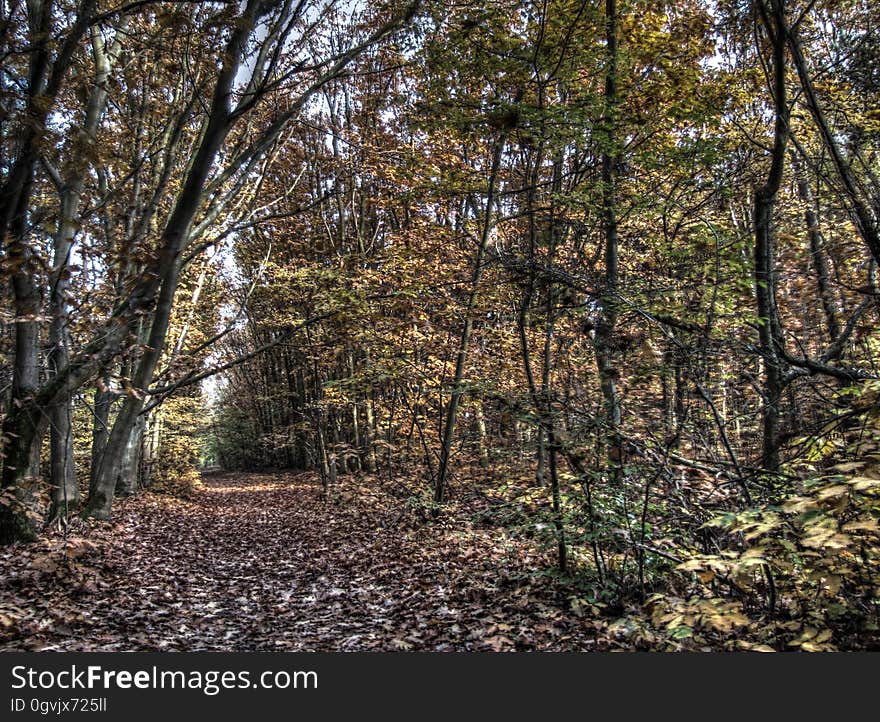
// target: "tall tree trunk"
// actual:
[[818, 256], [21, 432], [27, 418], [22, 429], [548, 451], [769, 329], [548, 446], [101, 491], [607, 322], [65, 490], [553, 445]]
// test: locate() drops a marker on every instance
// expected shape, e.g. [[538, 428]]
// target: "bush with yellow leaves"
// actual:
[[808, 570]]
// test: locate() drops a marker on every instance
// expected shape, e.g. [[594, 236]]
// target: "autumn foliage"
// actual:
[[574, 301]]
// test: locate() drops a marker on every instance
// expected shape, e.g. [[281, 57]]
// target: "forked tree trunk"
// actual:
[[65, 490], [27, 418]]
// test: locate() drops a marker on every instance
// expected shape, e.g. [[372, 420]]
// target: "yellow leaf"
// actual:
[[864, 524], [823, 636], [832, 492], [848, 466], [798, 504], [863, 483]]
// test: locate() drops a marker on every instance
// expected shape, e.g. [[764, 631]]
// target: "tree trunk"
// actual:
[[22, 433], [100, 426], [22, 456], [482, 436], [607, 322], [369, 458], [128, 477], [818, 257], [860, 211], [769, 329], [65, 490], [26, 421]]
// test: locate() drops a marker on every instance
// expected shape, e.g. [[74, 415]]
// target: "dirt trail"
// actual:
[[262, 562]]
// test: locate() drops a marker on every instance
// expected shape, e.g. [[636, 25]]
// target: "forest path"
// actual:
[[263, 562]]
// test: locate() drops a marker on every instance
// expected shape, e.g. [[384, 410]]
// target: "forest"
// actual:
[[509, 325]]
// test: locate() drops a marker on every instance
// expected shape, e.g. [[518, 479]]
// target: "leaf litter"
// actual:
[[263, 562]]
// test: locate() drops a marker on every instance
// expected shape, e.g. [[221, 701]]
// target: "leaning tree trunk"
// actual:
[[119, 441], [174, 237], [862, 209]]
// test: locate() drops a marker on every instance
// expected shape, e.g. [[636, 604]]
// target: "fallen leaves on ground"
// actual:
[[263, 562]]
